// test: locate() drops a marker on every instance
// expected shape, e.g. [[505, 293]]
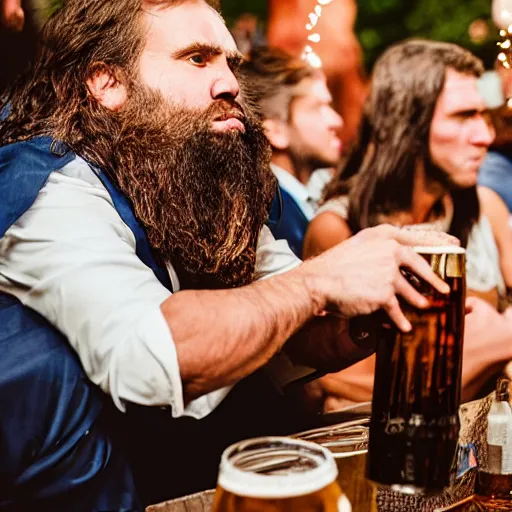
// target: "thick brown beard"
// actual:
[[201, 196]]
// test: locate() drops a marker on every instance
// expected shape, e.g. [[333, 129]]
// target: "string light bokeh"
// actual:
[[505, 46], [313, 36], [504, 57]]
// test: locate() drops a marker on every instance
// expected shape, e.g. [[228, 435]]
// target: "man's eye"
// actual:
[[198, 60], [469, 114]]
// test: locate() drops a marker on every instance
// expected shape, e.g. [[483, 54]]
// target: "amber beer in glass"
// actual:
[[414, 425], [348, 444], [278, 475]]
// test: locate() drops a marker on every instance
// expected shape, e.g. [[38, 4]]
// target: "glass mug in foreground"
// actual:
[[277, 474], [348, 444], [414, 425]]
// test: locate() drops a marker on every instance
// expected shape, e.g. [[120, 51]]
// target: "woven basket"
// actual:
[[201, 502], [473, 430]]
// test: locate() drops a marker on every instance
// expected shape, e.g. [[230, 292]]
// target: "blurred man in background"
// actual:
[[302, 128]]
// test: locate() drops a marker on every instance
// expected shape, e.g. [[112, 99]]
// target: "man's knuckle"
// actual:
[[390, 250], [389, 230]]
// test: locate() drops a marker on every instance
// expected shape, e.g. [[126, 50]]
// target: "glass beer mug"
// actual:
[[276, 474], [414, 424], [348, 444]]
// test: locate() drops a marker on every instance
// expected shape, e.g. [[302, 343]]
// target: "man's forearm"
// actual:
[[223, 336]]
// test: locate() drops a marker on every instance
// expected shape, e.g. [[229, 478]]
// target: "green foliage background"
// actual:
[[383, 22], [231, 9]]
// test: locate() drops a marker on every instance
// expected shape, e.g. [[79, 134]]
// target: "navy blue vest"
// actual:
[[288, 222], [56, 448], [63, 446]]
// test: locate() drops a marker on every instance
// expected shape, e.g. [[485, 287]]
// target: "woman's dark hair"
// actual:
[[394, 134]]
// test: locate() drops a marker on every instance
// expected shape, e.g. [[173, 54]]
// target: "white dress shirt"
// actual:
[[316, 186], [296, 189], [72, 259]]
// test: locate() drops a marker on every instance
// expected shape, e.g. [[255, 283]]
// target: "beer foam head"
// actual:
[[276, 468], [439, 249], [417, 235]]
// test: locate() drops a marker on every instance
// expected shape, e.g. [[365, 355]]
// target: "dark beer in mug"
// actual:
[[414, 426], [278, 475]]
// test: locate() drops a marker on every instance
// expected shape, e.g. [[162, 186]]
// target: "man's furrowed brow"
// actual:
[[465, 111], [206, 49]]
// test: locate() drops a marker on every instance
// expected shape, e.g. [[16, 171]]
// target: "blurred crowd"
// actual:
[[423, 142]]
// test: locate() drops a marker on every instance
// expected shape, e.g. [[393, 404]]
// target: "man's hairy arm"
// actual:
[[92, 286], [234, 332], [223, 336]]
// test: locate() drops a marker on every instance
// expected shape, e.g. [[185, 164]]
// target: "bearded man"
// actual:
[[135, 185]]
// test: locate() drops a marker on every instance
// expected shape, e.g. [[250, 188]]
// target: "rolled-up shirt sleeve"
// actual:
[[72, 259]]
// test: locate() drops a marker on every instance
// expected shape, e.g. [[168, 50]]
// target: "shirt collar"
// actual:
[[296, 189]]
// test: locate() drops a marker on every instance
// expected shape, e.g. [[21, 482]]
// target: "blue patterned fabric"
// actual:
[[56, 449]]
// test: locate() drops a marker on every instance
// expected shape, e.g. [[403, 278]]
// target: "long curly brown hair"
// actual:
[[378, 176]]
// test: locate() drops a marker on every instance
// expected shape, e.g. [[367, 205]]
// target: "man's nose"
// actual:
[[483, 132], [225, 84], [335, 120]]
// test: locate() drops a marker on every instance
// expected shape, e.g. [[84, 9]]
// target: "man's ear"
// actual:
[[106, 87], [277, 133]]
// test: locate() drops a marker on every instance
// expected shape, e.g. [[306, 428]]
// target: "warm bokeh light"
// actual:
[[505, 47], [502, 13], [309, 54], [478, 31]]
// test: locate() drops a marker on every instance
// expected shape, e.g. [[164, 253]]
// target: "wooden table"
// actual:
[[473, 430]]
